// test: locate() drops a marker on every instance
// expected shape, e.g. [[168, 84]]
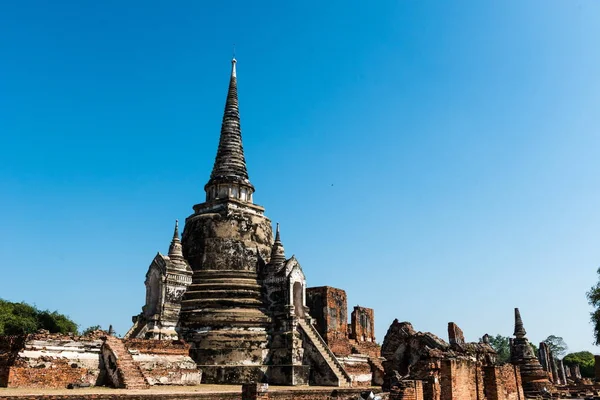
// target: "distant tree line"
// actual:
[[557, 345], [20, 318]]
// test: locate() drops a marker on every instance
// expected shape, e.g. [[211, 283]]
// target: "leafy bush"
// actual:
[[20, 318]]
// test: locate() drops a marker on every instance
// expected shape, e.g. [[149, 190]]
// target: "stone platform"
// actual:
[[199, 392]]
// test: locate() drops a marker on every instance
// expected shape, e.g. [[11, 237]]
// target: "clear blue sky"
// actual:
[[437, 160]]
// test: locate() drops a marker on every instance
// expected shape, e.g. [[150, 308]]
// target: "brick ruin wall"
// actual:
[[461, 380], [455, 334], [353, 343], [45, 360], [456, 371], [503, 382], [408, 390], [328, 306], [362, 324], [468, 380]]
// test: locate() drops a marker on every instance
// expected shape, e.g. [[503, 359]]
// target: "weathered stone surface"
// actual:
[[243, 311]]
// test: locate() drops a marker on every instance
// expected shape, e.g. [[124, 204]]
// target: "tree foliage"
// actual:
[[593, 297], [502, 346], [90, 329], [585, 359], [557, 345], [20, 318]]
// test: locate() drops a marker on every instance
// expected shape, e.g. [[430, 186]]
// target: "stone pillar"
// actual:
[[597, 367], [575, 371], [543, 356], [561, 372], [255, 391], [455, 334], [554, 369]]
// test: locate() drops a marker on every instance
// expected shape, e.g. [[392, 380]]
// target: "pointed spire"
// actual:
[[230, 163], [277, 251], [175, 250], [519, 328]]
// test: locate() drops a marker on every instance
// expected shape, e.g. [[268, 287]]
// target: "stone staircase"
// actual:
[[344, 380], [128, 373]]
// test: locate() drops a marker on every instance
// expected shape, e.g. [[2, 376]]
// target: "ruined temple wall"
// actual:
[[503, 383], [328, 306], [408, 390], [461, 379], [370, 349], [362, 323], [45, 360]]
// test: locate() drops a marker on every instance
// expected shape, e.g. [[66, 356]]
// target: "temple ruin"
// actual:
[[226, 305]]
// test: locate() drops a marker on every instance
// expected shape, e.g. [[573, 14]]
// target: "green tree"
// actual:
[[21, 318], [557, 345], [502, 346], [585, 359], [593, 297], [90, 329]]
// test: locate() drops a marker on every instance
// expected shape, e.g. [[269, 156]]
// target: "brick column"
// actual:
[[255, 391]]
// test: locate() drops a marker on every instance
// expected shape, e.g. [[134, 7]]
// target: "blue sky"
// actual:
[[437, 160]]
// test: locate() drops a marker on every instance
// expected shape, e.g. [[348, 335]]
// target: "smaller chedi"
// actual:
[[535, 379], [166, 281]]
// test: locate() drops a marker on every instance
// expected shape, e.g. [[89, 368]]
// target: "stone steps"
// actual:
[[343, 378], [129, 373]]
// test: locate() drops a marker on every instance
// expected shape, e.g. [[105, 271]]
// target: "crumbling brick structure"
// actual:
[[502, 382], [44, 360], [407, 390], [328, 307], [352, 343], [448, 371]]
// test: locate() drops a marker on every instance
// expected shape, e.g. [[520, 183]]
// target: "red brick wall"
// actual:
[[408, 390], [367, 348], [362, 324], [58, 374], [9, 349], [461, 380], [328, 306], [455, 334], [503, 383]]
